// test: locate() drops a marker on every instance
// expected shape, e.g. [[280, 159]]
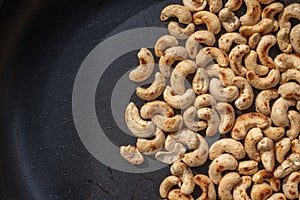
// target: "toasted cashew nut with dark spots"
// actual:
[[202, 37], [220, 164], [200, 82], [227, 183], [245, 100], [262, 101], [169, 157], [227, 114], [146, 67], [295, 38], [215, 5], [181, 33], [136, 125], [274, 133], [189, 120], [236, 58], [150, 147], [282, 147], [266, 150], [294, 129], [251, 64], [207, 54], [168, 124], [286, 61], [199, 156], [265, 175], [220, 93], [290, 75], [163, 43], [183, 14], [296, 146], [211, 21], [254, 40], [247, 121], [252, 16], [290, 11], [171, 55], [178, 75], [254, 135], [152, 108], [270, 11], [179, 101], [225, 74], [131, 154], [247, 167], [227, 39], [176, 194], [283, 38], [289, 165], [154, 90], [229, 21], [195, 5], [260, 191], [290, 90], [227, 145], [263, 47], [290, 185], [207, 187], [233, 5], [212, 118], [240, 190], [167, 184], [279, 114], [183, 136], [263, 27], [262, 83], [277, 196], [205, 100]]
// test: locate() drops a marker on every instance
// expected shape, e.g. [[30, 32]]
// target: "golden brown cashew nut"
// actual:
[[154, 90], [227, 114], [252, 15], [183, 136], [286, 61], [227, 39], [298, 105], [266, 150], [263, 47], [169, 157], [183, 14], [262, 101], [254, 135], [283, 38], [131, 154], [263, 27], [220, 164], [290, 185], [152, 108], [199, 156], [200, 82], [227, 145], [167, 184], [240, 190], [282, 147], [290, 75], [296, 146], [265, 175], [176, 194], [215, 5], [290, 11], [211, 21], [220, 93], [290, 90], [260, 191], [254, 40], [199, 37], [207, 187], [195, 5], [236, 58], [225, 74], [274, 133], [289, 165], [163, 43], [245, 100], [205, 100], [295, 38], [179, 101], [277, 196], [168, 124], [270, 11], [207, 54], [233, 5], [171, 55], [189, 120], [251, 64], [180, 33], [136, 125], [182, 69], [279, 114], [146, 67], [246, 121], [248, 167], [270, 81], [265, 1], [294, 118], [212, 118], [227, 183], [150, 147], [229, 21]]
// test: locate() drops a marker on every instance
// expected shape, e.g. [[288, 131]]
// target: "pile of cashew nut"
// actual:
[[246, 96]]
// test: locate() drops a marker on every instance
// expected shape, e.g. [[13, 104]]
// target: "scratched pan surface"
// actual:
[[43, 44]]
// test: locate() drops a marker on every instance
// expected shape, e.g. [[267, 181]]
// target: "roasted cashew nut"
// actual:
[[227, 183], [289, 165], [207, 187], [265, 1], [150, 147], [240, 190], [233, 5], [207, 54], [220, 164], [178, 75], [282, 147], [251, 64], [183, 14], [274, 133], [168, 124], [290, 11], [215, 5], [290, 90], [163, 43], [189, 120], [152, 108], [227, 115], [279, 114], [236, 58], [246, 121], [181, 33], [254, 135], [199, 37], [260, 191], [205, 100], [228, 19], [296, 146], [245, 100], [295, 38], [183, 136], [286, 61], [176, 194], [131, 154], [263, 48], [212, 118], [200, 82], [228, 145], [146, 67], [270, 11], [290, 75], [266, 149], [277, 196], [227, 39], [254, 40], [154, 90], [294, 129], [211, 21], [179, 101], [167, 184], [248, 167], [262, 101], [263, 27], [195, 5], [265, 175], [290, 185], [169, 157], [220, 93], [262, 83], [283, 38], [225, 74], [252, 15]]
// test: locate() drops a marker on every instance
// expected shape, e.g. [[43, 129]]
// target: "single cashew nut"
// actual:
[[183, 14], [228, 19], [254, 40], [294, 118], [290, 90], [131, 154], [207, 54], [246, 121], [225, 74], [283, 38], [228, 145], [286, 61], [220, 164], [295, 38], [233, 5], [200, 82], [183, 136], [265, 175], [289, 165], [277, 196], [168, 124], [265, 1], [169, 157], [290, 185], [236, 58], [251, 64], [167, 184], [212, 118], [205, 100], [227, 114], [266, 149], [290, 11], [195, 5], [189, 120], [263, 27], [274, 133], [215, 5], [220, 93], [270, 11], [207, 187], [248, 167], [254, 135], [154, 90], [262, 101], [270, 81], [282, 147], [146, 67], [227, 183], [163, 43], [245, 100], [240, 190], [263, 48], [181, 33], [252, 15], [279, 114], [179, 101], [176, 194], [290, 75], [296, 146], [211, 21], [152, 108], [260, 191], [227, 39], [150, 147]]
